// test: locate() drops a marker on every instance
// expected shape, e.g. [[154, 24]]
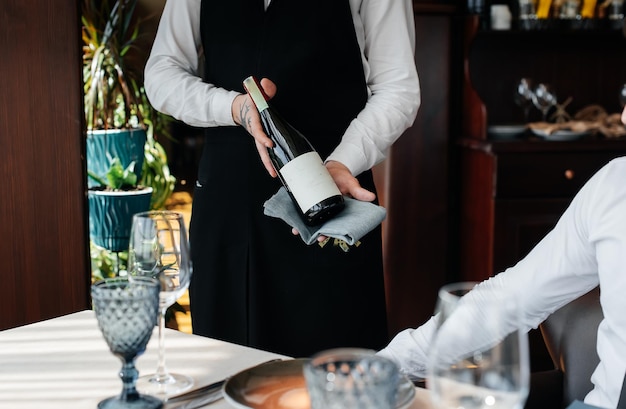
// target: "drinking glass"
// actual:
[[570, 10], [544, 99], [527, 14], [159, 248], [127, 312], [524, 96], [479, 354], [351, 378], [616, 10]]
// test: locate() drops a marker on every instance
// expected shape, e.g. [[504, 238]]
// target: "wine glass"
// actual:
[[622, 96], [159, 248], [524, 96], [479, 355], [544, 98], [127, 312]]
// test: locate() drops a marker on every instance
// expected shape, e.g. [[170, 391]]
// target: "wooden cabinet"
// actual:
[[513, 192]]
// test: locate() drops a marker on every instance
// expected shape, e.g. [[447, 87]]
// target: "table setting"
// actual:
[[74, 361], [105, 357], [65, 363], [70, 362]]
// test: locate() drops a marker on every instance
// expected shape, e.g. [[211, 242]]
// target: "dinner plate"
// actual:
[[560, 135], [505, 131], [281, 385]]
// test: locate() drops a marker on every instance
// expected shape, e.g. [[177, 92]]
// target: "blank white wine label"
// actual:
[[309, 180]]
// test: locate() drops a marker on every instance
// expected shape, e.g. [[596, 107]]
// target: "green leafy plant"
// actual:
[[111, 84], [105, 263], [155, 171], [117, 177], [114, 94]]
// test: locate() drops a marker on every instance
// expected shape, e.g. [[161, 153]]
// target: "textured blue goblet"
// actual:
[[127, 312]]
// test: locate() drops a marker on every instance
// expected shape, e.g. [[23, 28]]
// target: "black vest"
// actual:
[[255, 283], [302, 47]]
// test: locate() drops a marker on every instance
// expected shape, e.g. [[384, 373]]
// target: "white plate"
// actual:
[[281, 385], [560, 135], [506, 131]]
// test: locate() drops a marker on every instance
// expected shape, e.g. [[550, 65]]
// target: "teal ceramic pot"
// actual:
[[111, 216], [104, 145]]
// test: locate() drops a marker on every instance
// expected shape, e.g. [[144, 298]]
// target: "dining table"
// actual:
[[65, 363]]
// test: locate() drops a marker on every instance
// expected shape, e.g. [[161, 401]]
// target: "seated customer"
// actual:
[[586, 248]]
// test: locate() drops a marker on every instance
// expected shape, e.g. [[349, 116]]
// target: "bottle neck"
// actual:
[[254, 90]]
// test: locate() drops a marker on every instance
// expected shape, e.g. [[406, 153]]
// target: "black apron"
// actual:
[[254, 283]]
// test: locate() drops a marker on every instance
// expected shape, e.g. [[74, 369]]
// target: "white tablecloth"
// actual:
[[65, 363]]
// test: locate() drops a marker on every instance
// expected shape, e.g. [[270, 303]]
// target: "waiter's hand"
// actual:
[[348, 186], [245, 114]]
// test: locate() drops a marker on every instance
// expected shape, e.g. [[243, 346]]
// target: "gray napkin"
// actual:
[[355, 220]]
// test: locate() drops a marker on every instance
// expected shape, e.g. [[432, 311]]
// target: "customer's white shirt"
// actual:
[[386, 35], [586, 248]]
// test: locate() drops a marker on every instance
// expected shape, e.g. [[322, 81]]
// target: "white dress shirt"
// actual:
[[386, 35], [586, 248]]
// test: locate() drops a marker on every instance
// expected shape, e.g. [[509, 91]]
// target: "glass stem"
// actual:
[[162, 374], [129, 377]]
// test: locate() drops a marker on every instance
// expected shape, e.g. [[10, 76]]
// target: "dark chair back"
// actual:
[[570, 335]]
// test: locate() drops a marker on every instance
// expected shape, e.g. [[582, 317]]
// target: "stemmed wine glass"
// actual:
[[544, 98], [479, 355], [524, 96], [622, 96], [127, 312], [159, 248]]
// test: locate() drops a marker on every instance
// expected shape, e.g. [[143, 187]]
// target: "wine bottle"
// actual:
[[297, 163]]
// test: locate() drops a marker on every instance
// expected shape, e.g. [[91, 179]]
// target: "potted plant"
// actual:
[[120, 121], [111, 88], [127, 167], [112, 205]]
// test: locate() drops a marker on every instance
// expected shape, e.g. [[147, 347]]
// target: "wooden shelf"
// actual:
[[587, 65], [556, 32], [534, 144]]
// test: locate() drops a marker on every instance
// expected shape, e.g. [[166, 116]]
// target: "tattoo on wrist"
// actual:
[[244, 115]]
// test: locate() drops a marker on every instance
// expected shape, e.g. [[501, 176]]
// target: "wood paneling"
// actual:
[[44, 248], [414, 181]]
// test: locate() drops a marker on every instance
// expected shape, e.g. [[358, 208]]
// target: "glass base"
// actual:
[[142, 402], [164, 385]]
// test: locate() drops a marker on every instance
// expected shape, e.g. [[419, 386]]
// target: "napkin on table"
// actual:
[[350, 225]]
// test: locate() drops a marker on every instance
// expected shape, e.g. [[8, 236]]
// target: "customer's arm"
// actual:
[[559, 269]]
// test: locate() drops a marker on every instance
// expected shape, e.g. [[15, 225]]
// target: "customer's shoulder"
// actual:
[[615, 169], [610, 180]]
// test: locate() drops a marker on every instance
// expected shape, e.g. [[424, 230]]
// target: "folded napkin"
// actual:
[[355, 220]]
